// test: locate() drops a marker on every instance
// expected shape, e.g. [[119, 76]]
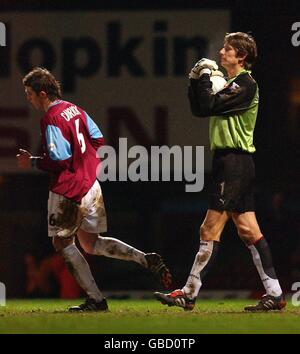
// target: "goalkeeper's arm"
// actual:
[[236, 97]]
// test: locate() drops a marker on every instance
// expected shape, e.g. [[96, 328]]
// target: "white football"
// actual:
[[218, 83]]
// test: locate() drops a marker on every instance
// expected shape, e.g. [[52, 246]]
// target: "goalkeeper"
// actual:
[[70, 139], [232, 113]]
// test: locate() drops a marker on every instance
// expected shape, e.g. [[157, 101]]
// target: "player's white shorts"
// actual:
[[92, 216]]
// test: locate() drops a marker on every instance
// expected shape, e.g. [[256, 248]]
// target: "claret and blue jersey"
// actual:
[[70, 139]]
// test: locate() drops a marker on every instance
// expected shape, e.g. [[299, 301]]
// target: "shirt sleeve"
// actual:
[[95, 132], [57, 150], [236, 97]]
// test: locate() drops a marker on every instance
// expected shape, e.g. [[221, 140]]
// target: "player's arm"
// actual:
[[236, 97], [58, 152], [95, 132]]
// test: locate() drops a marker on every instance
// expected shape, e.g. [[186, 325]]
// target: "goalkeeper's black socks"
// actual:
[[263, 261]]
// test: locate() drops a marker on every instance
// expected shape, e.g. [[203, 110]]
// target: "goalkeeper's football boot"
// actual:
[[176, 298], [90, 305], [268, 303], [157, 266]]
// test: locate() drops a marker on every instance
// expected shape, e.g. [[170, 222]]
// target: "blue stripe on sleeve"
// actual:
[[58, 147], [93, 129]]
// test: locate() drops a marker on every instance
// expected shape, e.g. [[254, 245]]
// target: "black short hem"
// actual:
[[239, 211]]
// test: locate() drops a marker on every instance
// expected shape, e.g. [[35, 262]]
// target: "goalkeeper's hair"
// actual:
[[40, 79], [244, 44]]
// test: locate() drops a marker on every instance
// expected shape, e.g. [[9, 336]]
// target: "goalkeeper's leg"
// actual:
[[250, 233], [210, 232]]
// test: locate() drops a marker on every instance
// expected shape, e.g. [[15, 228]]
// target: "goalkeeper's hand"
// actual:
[[201, 64]]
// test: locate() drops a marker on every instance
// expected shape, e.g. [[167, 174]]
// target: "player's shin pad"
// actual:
[[69, 218]]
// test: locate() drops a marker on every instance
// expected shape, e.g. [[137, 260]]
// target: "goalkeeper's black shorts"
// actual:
[[233, 174]]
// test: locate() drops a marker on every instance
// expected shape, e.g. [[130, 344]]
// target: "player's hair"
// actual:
[[243, 43], [40, 79]]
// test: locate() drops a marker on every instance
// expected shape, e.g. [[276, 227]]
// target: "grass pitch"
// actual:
[[145, 316]]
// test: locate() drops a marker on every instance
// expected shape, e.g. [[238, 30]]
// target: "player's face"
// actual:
[[228, 57], [33, 98]]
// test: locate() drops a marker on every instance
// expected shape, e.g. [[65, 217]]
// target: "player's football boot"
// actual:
[[268, 303], [176, 298], [157, 266], [90, 305]]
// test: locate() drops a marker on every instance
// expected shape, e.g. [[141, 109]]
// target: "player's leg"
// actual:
[[80, 269], [98, 245], [249, 232], [210, 233], [94, 223], [75, 261]]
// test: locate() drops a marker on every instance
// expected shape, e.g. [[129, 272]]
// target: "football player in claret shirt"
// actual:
[[70, 139], [232, 112]]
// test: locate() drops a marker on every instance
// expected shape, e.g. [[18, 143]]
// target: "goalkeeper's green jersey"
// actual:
[[232, 111]]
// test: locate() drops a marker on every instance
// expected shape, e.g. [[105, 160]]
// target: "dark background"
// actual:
[[161, 217]]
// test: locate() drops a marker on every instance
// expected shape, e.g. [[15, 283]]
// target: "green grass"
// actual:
[[144, 316]]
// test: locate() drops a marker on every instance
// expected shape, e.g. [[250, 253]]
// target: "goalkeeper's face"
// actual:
[[33, 98], [229, 58]]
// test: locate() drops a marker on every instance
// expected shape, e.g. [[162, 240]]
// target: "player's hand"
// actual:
[[201, 64], [24, 159]]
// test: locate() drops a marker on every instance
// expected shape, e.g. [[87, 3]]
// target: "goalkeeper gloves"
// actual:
[[203, 66], [217, 73]]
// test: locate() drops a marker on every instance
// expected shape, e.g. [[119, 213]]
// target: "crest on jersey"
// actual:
[[51, 147]]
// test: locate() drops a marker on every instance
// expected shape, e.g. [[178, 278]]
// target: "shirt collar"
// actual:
[[54, 103]]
